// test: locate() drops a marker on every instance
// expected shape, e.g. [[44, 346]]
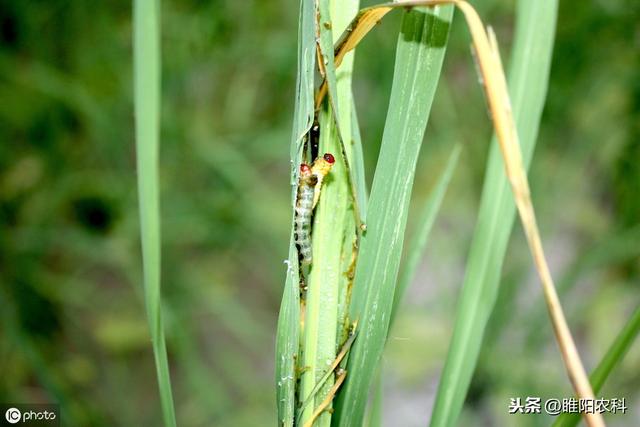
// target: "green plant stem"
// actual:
[[146, 17]]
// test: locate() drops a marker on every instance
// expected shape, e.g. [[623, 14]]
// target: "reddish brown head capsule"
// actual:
[[304, 169], [329, 158]]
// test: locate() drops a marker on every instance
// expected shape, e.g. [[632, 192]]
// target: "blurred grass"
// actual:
[[69, 226], [528, 77], [417, 244], [613, 357], [147, 100]]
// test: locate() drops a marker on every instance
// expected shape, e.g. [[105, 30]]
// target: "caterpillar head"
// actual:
[[307, 177], [322, 165], [305, 170]]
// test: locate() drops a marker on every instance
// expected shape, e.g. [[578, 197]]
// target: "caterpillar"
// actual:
[[320, 168], [304, 207], [309, 185]]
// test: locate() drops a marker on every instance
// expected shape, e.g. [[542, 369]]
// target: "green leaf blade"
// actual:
[[288, 333], [530, 64], [147, 128], [418, 64]]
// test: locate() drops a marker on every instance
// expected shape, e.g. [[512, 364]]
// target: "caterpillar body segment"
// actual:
[[320, 168], [304, 208], [309, 185]]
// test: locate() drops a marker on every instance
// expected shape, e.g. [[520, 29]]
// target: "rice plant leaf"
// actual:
[[303, 110], [147, 128], [287, 340], [358, 166], [342, 12], [414, 252], [334, 225], [420, 52], [418, 243], [374, 411], [530, 63], [613, 357], [288, 335], [332, 13], [325, 280], [325, 44]]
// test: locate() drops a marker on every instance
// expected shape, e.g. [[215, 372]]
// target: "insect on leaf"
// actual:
[[287, 340]]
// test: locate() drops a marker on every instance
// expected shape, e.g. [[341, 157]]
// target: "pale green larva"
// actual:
[[309, 185], [304, 208]]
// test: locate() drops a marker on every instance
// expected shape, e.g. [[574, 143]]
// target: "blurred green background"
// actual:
[[73, 328]]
